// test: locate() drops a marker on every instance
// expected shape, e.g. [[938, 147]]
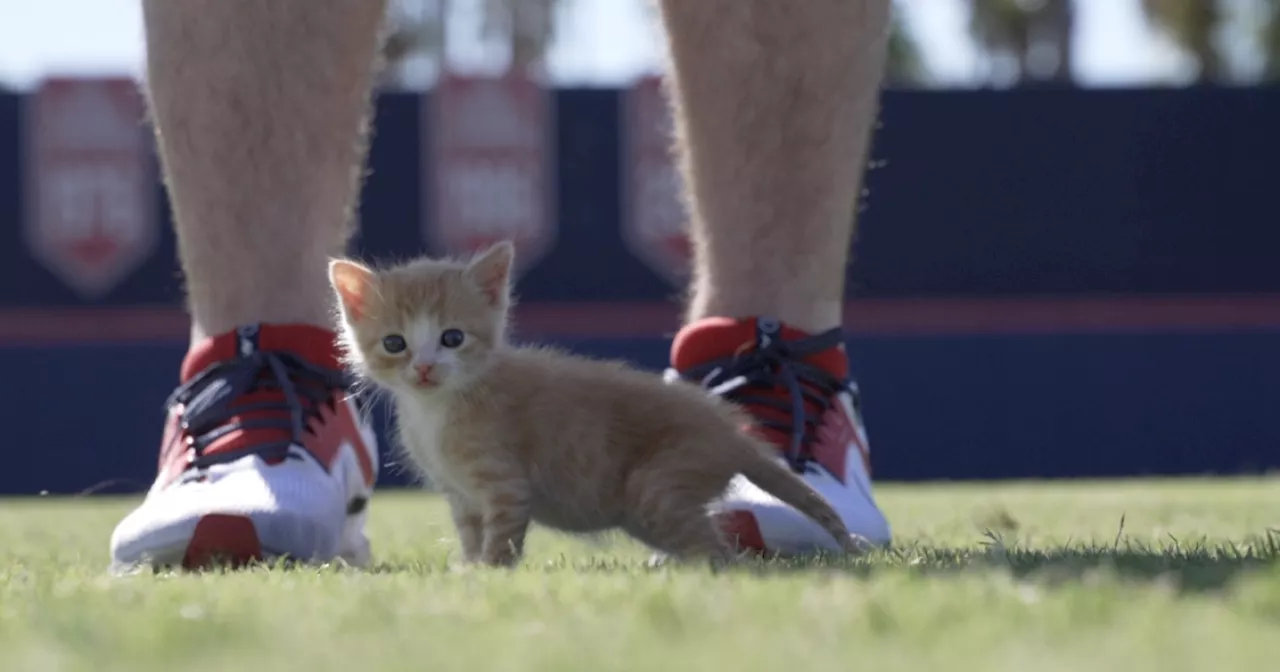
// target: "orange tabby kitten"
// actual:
[[519, 434]]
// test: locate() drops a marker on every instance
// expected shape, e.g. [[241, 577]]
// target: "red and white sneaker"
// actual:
[[797, 387], [264, 455]]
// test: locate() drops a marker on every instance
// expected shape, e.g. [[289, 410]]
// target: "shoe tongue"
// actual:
[[720, 337], [313, 344]]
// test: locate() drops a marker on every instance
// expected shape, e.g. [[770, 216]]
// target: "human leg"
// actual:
[[260, 110], [774, 107]]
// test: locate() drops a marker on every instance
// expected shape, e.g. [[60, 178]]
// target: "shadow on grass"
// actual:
[[1187, 567]]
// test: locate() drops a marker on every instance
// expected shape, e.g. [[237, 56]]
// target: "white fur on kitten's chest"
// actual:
[[422, 432]]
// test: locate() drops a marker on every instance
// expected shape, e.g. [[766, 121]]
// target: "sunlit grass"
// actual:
[[1172, 575]]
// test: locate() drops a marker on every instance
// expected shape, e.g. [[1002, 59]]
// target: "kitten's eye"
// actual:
[[393, 344], [452, 338]]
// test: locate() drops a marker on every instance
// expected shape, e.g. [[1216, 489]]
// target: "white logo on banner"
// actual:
[[654, 221], [90, 208], [491, 174]]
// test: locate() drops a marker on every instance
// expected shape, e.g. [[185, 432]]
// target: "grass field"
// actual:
[[983, 577]]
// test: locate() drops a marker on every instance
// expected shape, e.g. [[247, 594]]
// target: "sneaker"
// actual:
[[264, 455], [797, 387]]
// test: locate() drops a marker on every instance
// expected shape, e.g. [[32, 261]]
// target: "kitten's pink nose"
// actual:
[[424, 371]]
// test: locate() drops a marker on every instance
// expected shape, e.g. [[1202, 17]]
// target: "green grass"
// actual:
[[982, 577]]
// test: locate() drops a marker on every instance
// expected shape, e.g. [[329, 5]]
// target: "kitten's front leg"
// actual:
[[506, 522], [470, 524]]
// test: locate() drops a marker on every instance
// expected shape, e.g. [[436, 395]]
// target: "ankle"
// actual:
[[282, 303], [316, 345], [798, 312]]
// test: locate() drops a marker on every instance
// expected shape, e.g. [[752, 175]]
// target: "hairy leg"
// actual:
[[261, 110], [774, 106], [774, 103]]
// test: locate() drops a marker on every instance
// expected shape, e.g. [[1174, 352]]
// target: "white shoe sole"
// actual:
[[246, 508]]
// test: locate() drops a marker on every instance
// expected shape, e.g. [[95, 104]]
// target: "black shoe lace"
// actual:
[[210, 401], [776, 363]]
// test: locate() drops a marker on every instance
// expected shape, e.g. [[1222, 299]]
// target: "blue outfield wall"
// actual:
[[1048, 284], [981, 193]]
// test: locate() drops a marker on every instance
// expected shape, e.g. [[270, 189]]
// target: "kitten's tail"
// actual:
[[780, 482]]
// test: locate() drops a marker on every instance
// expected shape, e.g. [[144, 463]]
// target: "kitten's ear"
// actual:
[[491, 270], [353, 283]]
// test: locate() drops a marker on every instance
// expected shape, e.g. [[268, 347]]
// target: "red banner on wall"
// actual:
[[654, 221], [491, 166], [91, 202]]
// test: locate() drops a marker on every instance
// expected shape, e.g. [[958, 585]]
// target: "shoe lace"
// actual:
[[212, 406], [773, 364]]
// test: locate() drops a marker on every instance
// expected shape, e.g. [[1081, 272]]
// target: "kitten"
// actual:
[[519, 434]]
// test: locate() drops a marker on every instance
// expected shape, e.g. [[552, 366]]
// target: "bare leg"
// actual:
[[774, 106], [260, 109]]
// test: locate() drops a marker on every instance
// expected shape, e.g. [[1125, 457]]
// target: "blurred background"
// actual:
[[1065, 265]]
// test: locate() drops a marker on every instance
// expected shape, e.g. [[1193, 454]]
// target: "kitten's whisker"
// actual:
[[727, 386]]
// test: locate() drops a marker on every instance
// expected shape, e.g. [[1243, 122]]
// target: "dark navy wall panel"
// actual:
[[1063, 191], [983, 193]]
